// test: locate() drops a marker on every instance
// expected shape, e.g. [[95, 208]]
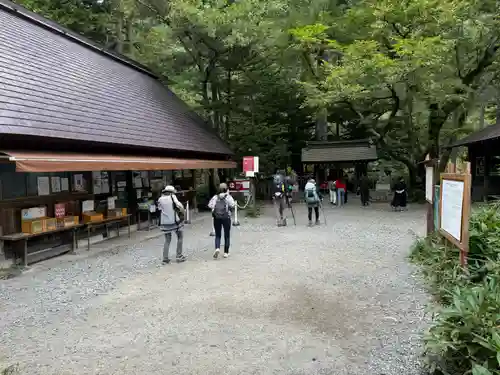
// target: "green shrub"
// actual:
[[466, 333], [440, 266], [464, 338]]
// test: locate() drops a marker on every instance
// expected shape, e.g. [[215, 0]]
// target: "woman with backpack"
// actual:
[[312, 198], [221, 205], [171, 220]]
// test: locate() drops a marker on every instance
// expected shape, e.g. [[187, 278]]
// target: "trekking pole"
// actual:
[[323, 210], [236, 223], [293, 214]]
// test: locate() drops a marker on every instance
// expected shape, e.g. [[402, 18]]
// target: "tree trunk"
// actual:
[[228, 104], [119, 33], [128, 48], [497, 120], [321, 125], [482, 114]]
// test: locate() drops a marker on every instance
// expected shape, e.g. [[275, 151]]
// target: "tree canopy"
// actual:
[[410, 75]]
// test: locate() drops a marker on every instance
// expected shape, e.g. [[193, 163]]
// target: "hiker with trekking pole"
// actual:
[[313, 200]]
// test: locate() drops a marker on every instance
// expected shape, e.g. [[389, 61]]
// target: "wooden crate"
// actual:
[[115, 213], [92, 216], [67, 221], [49, 223], [32, 226]]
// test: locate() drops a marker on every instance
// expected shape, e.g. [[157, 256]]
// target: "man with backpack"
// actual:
[[221, 205], [313, 200], [171, 221], [279, 196]]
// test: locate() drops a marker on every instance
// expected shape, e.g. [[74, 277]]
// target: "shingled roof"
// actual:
[[339, 151], [55, 83], [488, 133]]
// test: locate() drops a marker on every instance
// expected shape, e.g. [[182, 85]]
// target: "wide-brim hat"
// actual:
[[169, 189]]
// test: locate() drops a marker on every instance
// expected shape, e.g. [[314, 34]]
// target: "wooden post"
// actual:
[[486, 180], [253, 191], [429, 163], [193, 183]]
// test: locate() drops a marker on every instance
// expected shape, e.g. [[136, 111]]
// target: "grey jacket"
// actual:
[[169, 219]]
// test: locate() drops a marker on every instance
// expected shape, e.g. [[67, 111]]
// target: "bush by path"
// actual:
[[464, 337]]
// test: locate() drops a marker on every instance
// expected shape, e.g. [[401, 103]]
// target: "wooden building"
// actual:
[[334, 157], [483, 149], [79, 123]]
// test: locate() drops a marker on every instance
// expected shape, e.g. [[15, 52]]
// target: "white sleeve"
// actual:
[[230, 201], [211, 204]]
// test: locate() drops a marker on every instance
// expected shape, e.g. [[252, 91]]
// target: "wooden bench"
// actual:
[[107, 223], [25, 237]]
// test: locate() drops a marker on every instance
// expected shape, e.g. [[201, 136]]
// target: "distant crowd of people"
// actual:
[[222, 204]]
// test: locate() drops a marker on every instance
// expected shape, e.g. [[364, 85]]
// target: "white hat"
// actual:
[[169, 189]]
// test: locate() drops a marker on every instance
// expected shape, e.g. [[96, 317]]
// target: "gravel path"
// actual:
[[334, 299]]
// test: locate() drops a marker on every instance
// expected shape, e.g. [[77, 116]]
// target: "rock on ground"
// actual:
[[338, 299]]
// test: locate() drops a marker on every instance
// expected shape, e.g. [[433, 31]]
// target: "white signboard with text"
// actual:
[[452, 199]]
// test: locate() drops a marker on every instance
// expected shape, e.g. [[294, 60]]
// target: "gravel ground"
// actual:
[[334, 299]]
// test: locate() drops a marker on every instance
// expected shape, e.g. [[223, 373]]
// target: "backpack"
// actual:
[[311, 195], [179, 213], [221, 209]]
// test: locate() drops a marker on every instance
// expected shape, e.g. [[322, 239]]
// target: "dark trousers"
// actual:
[[218, 225], [365, 197], [310, 213]]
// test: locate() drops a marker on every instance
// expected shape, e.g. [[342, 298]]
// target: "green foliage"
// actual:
[[465, 335], [270, 76], [90, 18]]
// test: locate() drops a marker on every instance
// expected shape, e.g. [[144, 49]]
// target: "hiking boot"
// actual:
[[216, 253], [181, 259]]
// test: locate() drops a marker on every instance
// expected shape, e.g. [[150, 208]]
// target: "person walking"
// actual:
[[171, 220], [400, 195], [221, 205], [312, 198], [333, 191], [341, 191], [364, 190]]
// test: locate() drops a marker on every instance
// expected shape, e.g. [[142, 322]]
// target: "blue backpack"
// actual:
[[311, 195]]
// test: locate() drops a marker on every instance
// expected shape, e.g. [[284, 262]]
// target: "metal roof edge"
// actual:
[[41, 21], [346, 142], [477, 136]]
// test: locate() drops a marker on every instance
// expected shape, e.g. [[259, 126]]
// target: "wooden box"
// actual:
[[115, 213], [92, 216], [49, 223], [32, 226], [67, 221]]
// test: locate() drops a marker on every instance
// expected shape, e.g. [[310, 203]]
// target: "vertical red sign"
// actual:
[[60, 210], [248, 164]]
